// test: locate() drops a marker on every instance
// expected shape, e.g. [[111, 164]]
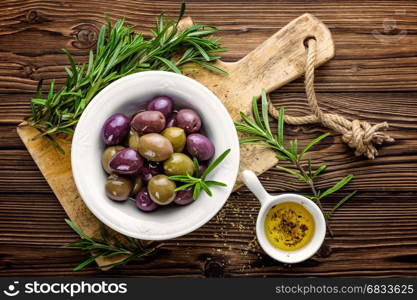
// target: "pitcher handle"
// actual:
[[255, 186]]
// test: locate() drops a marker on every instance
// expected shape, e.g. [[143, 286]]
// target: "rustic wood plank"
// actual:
[[363, 62], [370, 231]]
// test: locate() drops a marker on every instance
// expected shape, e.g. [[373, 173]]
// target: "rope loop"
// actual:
[[361, 136]]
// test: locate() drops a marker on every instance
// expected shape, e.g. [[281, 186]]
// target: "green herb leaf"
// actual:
[[170, 64], [214, 183], [293, 172], [280, 134], [120, 52], [318, 171], [104, 247], [258, 132], [337, 186], [265, 113], [196, 192], [313, 142], [215, 163], [255, 113], [196, 166], [199, 181], [86, 262], [339, 204]]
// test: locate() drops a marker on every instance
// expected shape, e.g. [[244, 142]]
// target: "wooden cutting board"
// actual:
[[277, 61]]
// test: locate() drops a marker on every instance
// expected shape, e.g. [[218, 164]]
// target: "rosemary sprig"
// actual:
[[199, 182], [259, 133], [107, 247], [119, 52]]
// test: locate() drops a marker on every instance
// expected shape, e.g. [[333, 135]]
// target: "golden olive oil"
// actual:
[[289, 226]]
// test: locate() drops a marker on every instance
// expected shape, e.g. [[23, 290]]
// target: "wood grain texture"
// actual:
[[376, 232], [283, 54]]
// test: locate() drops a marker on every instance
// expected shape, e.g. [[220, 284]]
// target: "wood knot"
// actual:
[[214, 269], [214, 265], [35, 17], [85, 35], [28, 71]]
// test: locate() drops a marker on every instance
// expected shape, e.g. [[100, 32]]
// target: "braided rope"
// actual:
[[359, 135]]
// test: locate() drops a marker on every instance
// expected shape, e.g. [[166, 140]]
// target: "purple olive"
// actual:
[[200, 146], [126, 161], [151, 169], [202, 168], [171, 120], [184, 196], [162, 104], [148, 122], [189, 120], [115, 129], [144, 202]]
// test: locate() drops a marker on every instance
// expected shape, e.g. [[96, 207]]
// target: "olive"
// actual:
[[144, 202], [200, 146], [155, 147], [148, 122], [108, 154], [115, 129], [151, 169], [126, 161], [118, 188], [161, 189], [162, 104], [202, 168], [133, 141], [137, 184], [189, 120], [171, 120], [184, 196], [178, 164], [176, 136]]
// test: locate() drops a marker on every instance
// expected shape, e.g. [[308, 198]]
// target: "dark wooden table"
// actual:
[[373, 76]]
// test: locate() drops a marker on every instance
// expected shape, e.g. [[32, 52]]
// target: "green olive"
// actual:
[[176, 136], [133, 140], [118, 188], [161, 189], [155, 147], [137, 184], [108, 153], [178, 164]]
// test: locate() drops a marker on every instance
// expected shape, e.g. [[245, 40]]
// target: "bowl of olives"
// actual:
[[135, 141]]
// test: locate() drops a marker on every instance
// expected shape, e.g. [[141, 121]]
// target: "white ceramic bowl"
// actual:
[[267, 201], [125, 96]]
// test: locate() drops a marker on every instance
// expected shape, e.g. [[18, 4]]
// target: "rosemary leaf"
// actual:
[[265, 113], [119, 52], [106, 247], [259, 133], [312, 143], [337, 186], [339, 204], [198, 181], [318, 171], [196, 191], [215, 163]]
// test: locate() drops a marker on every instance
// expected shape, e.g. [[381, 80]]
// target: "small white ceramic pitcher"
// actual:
[[267, 201]]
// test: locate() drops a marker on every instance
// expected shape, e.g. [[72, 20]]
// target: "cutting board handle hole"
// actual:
[[305, 42]]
